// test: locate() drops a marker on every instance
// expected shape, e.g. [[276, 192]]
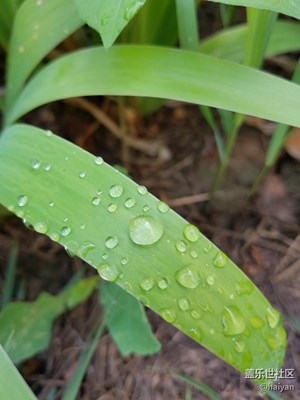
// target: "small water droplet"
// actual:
[[108, 272], [142, 190], [163, 207], [273, 317], [35, 164], [212, 331], [55, 237], [112, 207], [210, 280], [47, 167], [65, 231], [116, 191], [233, 321], [105, 256], [220, 260], [184, 304], [104, 20], [191, 233], [40, 227], [21, 49], [256, 322], [208, 248], [163, 283], [85, 248], [82, 227], [124, 261], [195, 333], [96, 201], [82, 174], [146, 208], [239, 346], [22, 200], [181, 246], [51, 203], [145, 230], [194, 253], [99, 192], [111, 242], [168, 314], [195, 314], [39, 2], [276, 339], [98, 160], [188, 277], [65, 219], [147, 284], [49, 133], [129, 203]]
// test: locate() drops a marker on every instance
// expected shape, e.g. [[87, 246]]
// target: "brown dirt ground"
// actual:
[[261, 236]]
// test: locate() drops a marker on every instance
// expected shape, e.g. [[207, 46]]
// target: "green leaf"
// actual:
[[210, 393], [173, 74], [12, 385], [287, 7], [154, 255], [108, 17], [126, 321], [7, 12], [39, 26], [28, 325]]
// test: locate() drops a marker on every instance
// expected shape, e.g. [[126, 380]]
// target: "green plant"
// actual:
[[112, 223]]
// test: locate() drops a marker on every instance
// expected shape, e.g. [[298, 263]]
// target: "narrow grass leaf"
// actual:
[[126, 321], [12, 385], [108, 17], [187, 24], [287, 7], [135, 240], [200, 386], [10, 275], [28, 325], [126, 70], [38, 27]]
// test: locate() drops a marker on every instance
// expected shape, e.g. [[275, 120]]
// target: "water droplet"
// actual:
[[48, 132], [116, 191], [21, 49], [212, 331], [195, 314], [35, 164], [47, 167], [104, 20], [188, 277], [163, 283], [194, 253], [85, 248], [51, 203], [210, 280], [41, 227], [184, 304], [55, 237], [208, 248], [195, 333], [82, 227], [147, 284], [239, 346], [124, 261], [191, 233], [111, 242], [181, 246], [39, 2], [132, 9], [233, 321], [273, 317], [99, 191], [65, 219], [168, 314], [277, 339], [82, 174], [112, 207], [21, 213], [22, 200], [145, 230], [142, 190], [65, 231], [96, 201], [105, 256], [163, 207], [146, 208], [256, 322], [129, 203], [220, 260], [244, 287], [98, 160], [108, 272]]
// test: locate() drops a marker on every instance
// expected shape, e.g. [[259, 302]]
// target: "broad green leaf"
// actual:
[[138, 242], [126, 321], [108, 17], [230, 43], [39, 26], [287, 7], [12, 385], [28, 325], [173, 74]]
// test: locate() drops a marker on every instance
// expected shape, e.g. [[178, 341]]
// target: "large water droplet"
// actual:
[[142, 190], [129, 203], [111, 242], [65, 231], [233, 321], [35, 164], [256, 322], [41, 227], [273, 317], [191, 233], [163, 207], [220, 260], [147, 284], [116, 191], [22, 200], [188, 277], [108, 272], [162, 283], [96, 201], [145, 230], [85, 248], [168, 314], [98, 160], [184, 304], [181, 246]]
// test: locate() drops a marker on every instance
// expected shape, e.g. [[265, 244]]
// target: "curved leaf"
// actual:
[[137, 242]]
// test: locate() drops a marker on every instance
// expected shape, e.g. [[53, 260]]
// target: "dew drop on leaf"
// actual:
[[124, 261], [181, 246], [111, 242], [191, 233], [256, 322], [130, 202], [162, 283], [35, 164], [142, 190], [195, 314], [108, 272], [82, 227], [168, 314], [22, 200], [147, 284], [163, 207], [273, 317], [82, 174], [112, 207], [96, 201], [132, 9], [55, 237], [195, 333], [233, 321], [194, 253], [98, 160], [220, 260], [116, 191], [184, 304], [85, 248], [239, 346], [188, 277], [210, 280], [146, 208], [51, 203], [47, 167], [145, 230], [40, 227], [65, 231]]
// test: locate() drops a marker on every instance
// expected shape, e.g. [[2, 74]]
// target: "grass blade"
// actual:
[[126, 70], [200, 386], [204, 293], [10, 275], [187, 24], [12, 385]]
